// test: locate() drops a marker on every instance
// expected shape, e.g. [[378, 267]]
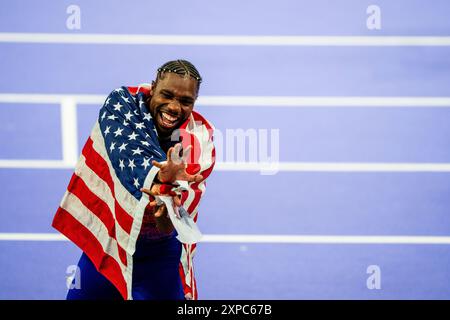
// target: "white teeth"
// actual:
[[168, 117]]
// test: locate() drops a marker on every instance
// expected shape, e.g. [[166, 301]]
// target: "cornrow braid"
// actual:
[[182, 68]]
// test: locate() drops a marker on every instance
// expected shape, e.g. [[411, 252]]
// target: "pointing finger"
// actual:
[[157, 164]]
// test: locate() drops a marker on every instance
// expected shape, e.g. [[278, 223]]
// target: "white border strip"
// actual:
[[223, 40], [262, 238], [263, 167], [248, 101]]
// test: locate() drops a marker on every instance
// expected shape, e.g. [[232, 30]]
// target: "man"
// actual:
[[146, 140]]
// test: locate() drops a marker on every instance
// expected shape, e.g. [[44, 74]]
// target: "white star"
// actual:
[[106, 130], [145, 143], [147, 135], [112, 147], [128, 115], [140, 125], [156, 131], [137, 151], [118, 90], [125, 123], [121, 164], [141, 102], [146, 163], [136, 182], [103, 115], [117, 106], [122, 147], [147, 116], [136, 112], [107, 101], [131, 164], [126, 99], [112, 117], [118, 132], [132, 136]]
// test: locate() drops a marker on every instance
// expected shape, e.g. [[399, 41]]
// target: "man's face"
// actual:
[[172, 102]]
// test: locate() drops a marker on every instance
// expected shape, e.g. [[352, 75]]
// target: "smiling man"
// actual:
[[145, 141]]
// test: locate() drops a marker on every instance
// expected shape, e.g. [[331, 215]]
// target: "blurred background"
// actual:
[[359, 207]]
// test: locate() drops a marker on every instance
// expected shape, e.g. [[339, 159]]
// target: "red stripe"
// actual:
[[186, 288], [198, 117], [99, 165], [65, 223], [96, 205], [197, 192], [132, 90], [195, 287]]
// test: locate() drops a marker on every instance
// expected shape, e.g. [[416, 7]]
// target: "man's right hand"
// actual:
[[175, 167]]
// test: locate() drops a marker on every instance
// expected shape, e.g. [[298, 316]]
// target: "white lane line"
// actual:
[[249, 101], [263, 167], [334, 167], [35, 164], [309, 101], [223, 40], [261, 238], [32, 237], [326, 239]]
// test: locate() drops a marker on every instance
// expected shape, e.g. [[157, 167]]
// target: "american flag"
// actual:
[[103, 207]]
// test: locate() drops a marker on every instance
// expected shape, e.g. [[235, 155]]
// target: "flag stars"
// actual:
[[140, 125], [136, 183], [147, 116], [117, 106], [118, 132], [145, 143], [121, 164], [131, 164], [126, 99], [146, 163], [118, 90], [123, 147], [132, 136], [112, 117], [137, 151], [112, 146], [107, 101], [103, 116], [107, 130], [128, 115], [125, 123]]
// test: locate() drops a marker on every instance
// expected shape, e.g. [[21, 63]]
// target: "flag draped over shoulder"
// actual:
[[103, 207]]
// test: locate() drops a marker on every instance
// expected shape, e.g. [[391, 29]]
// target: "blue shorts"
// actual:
[[155, 275]]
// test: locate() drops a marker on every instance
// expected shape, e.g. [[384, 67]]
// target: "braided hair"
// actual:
[[180, 67]]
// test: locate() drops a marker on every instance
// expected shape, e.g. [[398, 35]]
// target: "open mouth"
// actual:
[[167, 121]]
